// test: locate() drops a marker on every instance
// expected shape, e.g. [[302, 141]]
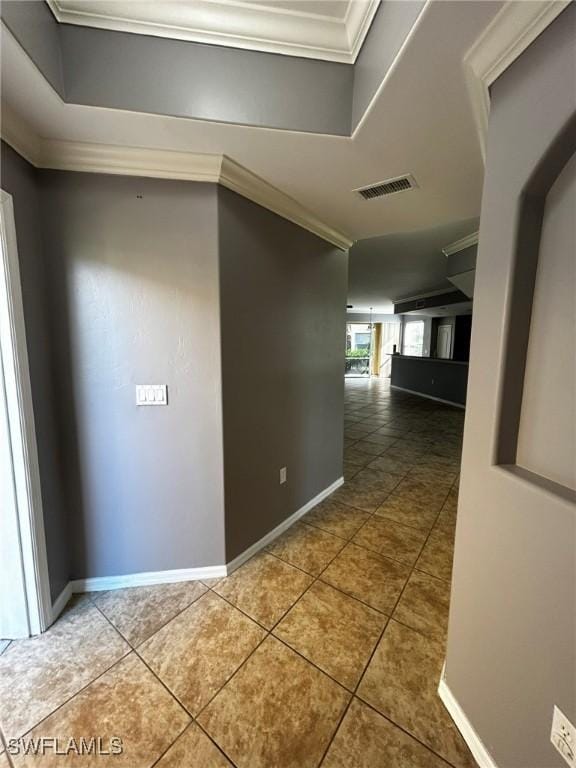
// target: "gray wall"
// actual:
[[390, 27], [157, 75], [440, 379], [241, 314], [512, 634], [33, 25], [135, 289], [20, 180], [385, 269], [206, 82], [283, 299], [144, 73], [547, 436]]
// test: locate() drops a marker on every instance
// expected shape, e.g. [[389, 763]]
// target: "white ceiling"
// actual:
[[384, 270], [321, 29], [420, 122]]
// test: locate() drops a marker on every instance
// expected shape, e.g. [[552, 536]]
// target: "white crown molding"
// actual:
[[251, 26], [165, 164], [477, 748], [129, 161], [359, 17], [511, 31], [18, 135], [460, 245], [239, 179]]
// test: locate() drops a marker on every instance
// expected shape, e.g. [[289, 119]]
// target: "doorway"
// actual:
[[25, 602], [444, 342], [359, 344]]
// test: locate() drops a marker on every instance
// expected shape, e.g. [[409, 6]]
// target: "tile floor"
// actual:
[[325, 649]]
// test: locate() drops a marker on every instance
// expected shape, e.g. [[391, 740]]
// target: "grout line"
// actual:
[[161, 626], [406, 433], [77, 693], [169, 691], [401, 728]]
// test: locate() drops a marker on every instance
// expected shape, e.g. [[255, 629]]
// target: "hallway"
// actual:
[[325, 649]]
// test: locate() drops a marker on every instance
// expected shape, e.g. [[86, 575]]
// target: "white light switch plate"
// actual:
[[151, 394], [283, 475], [563, 736]]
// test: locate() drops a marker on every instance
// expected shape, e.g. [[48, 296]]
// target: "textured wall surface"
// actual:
[[283, 299], [512, 633], [135, 291]]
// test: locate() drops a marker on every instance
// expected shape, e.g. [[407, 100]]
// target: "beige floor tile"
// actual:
[[138, 612], [4, 760], [196, 653], [350, 470], [39, 674], [212, 582], [307, 548], [336, 518], [278, 710], [193, 749], [377, 480], [355, 431], [406, 454], [334, 631], [264, 588], [368, 576], [437, 555], [358, 458], [355, 493], [370, 448], [422, 493], [386, 431], [411, 512], [424, 605], [430, 495], [128, 703], [446, 522], [383, 437], [401, 682], [392, 539], [365, 739], [385, 463]]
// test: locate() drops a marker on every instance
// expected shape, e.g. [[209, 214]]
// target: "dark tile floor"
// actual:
[[325, 649]]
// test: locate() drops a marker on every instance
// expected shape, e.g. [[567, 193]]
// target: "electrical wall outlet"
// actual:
[[283, 475], [563, 736]]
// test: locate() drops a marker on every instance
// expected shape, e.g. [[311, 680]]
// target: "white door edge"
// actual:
[[20, 410]]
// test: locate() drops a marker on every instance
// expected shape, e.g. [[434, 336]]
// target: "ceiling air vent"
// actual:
[[388, 187]]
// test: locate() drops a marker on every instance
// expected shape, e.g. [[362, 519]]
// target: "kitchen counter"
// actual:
[[431, 377]]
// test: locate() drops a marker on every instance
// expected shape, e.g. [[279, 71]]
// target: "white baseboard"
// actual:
[[101, 583], [428, 397], [61, 601], [475, 745], [284, 525]]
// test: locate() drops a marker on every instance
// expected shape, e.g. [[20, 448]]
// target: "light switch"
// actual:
[[151, 394]]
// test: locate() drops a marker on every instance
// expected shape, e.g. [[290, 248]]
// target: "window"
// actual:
[[362, 341], [413, 338]]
